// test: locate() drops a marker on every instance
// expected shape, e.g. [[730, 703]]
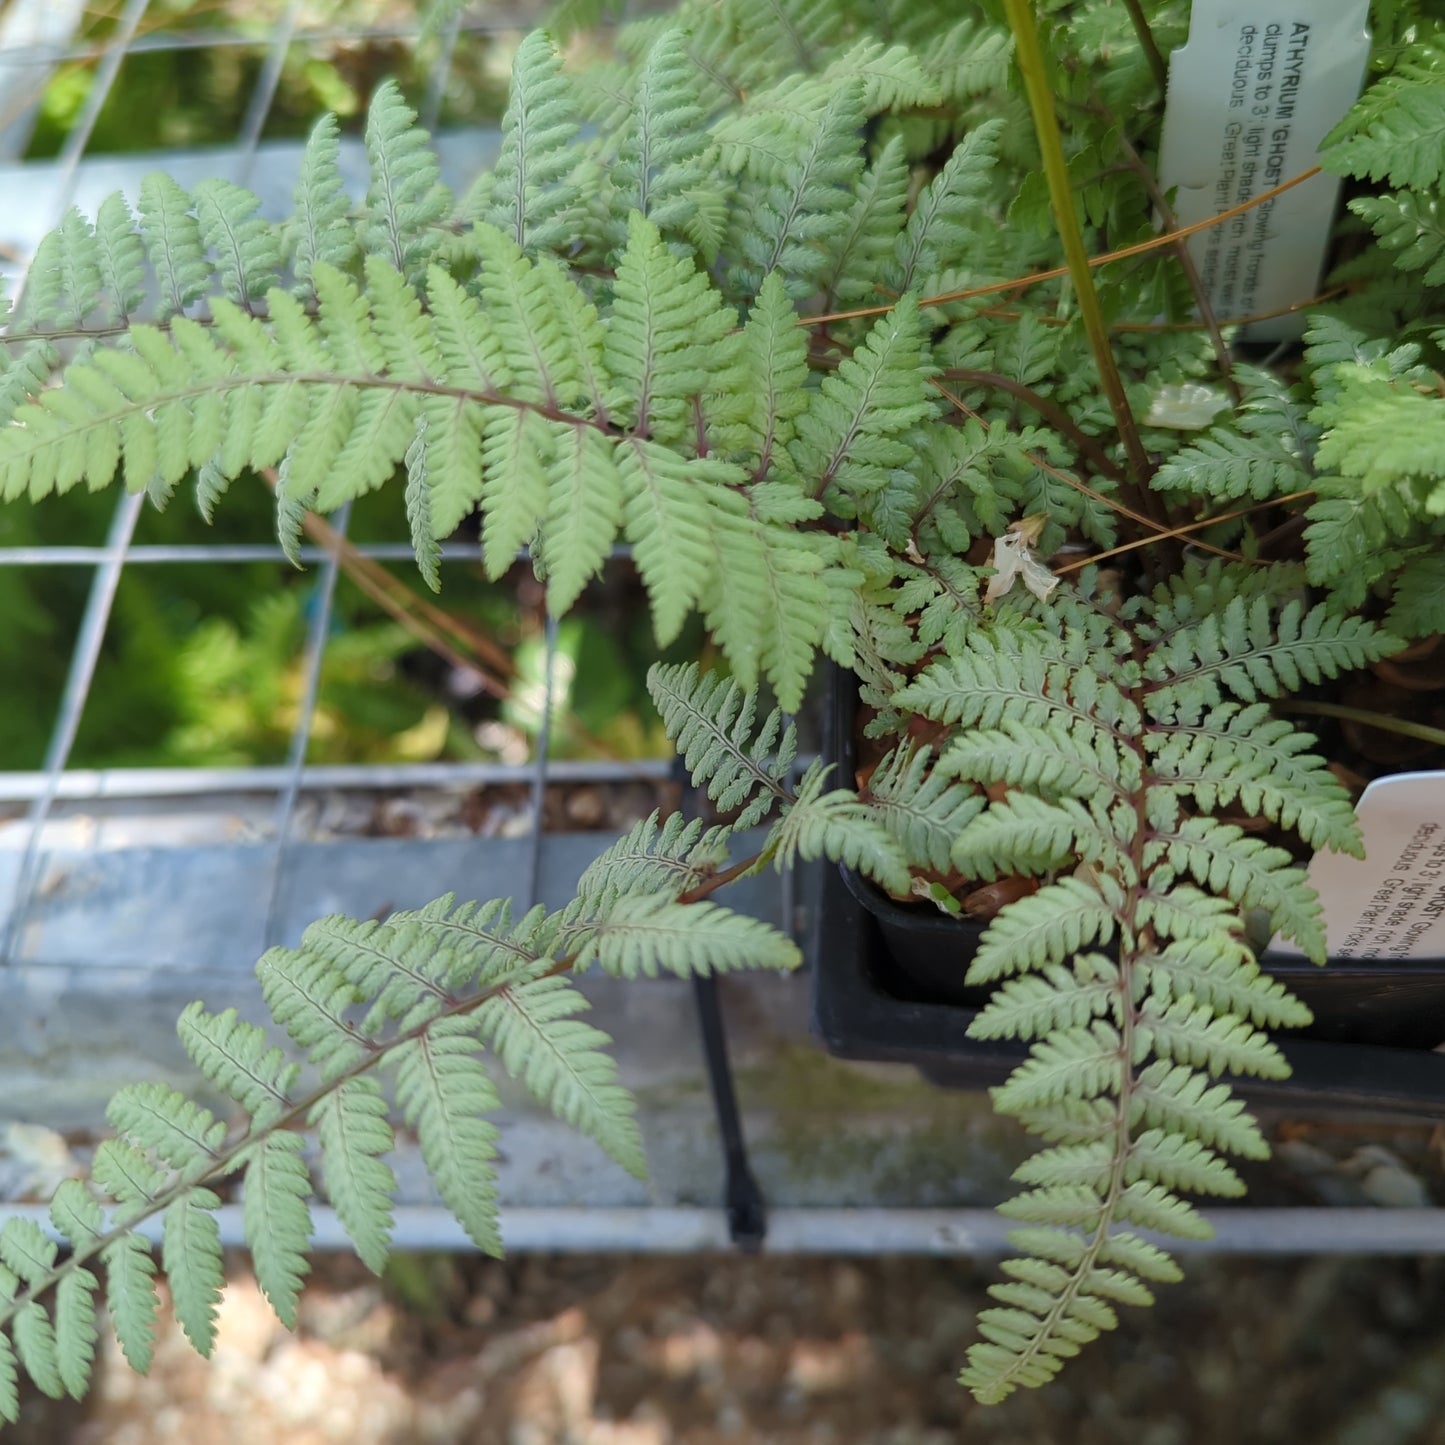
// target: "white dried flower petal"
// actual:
[[1013, 559]]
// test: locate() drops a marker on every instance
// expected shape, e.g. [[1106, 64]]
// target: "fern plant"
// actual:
[[774, 296]]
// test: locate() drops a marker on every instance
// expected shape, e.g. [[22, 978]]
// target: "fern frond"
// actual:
[[893, 77], [130, 1296], [444, 1091], [643, 937], [962, 492], [1381, 432], [1396, 132], [1410, 223], [481, 942], [9, 1382], [1025, 1349], [532, 192], [1112, 1284], [23, 375], [1152, 1207], [469, 345], [405, 199], [761, 394], [768, 602], [352, 1126], [874, 223], [661, 158], [63, 284], [1068, 1165], [1261, 452], [1043, 928], [920, 807], [803, 212], [1332, 341], [1076, 1206], [1180, 1163], [851, 435], [1241, 754], [1220, 972], [1418, 609], [995, 1369], [157, 1118], [533, 1026], [1146, 1260], [1075, 1121], [400, 967], [517, 458], [1192, 1033], [1248, 871], [1118, 1076], [971, 59], [1053, 760], [668, 859], [120, 258], [28, 1256], [1253, 652], [311, 1000], [1011, 674], [710, 720], [173, 243], [584, 512], [661, 344], [1034, 1005], [1078, 1063], [26, 1249], [319, 230], [191, 1252], [1180, 1100], [34, 1338], [277, 1221], [240, 1060], [939, 231], [836, 825], [247, 249], [1178, 910], [1352, 539], [1029, 835], [75, 1330], [418, 499], [668, 507], [520, 308]]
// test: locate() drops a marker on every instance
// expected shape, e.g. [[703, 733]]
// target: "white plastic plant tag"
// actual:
[[1391, 903], [1251, 95]]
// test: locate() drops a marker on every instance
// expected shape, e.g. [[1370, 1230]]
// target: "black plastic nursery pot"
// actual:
[[888, 986]]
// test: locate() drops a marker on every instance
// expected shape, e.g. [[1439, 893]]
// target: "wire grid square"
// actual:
[[75, 177]]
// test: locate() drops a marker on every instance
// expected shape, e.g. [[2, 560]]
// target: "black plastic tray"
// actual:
[[888, 986]]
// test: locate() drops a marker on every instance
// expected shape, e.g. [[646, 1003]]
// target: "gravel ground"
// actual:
[[632, 1351]]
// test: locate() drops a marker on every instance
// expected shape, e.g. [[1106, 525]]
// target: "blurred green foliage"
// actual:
[[198, 96], [202, 664]]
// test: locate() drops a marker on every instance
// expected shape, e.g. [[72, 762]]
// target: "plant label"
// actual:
[[1251, 95], [1391, 903]]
